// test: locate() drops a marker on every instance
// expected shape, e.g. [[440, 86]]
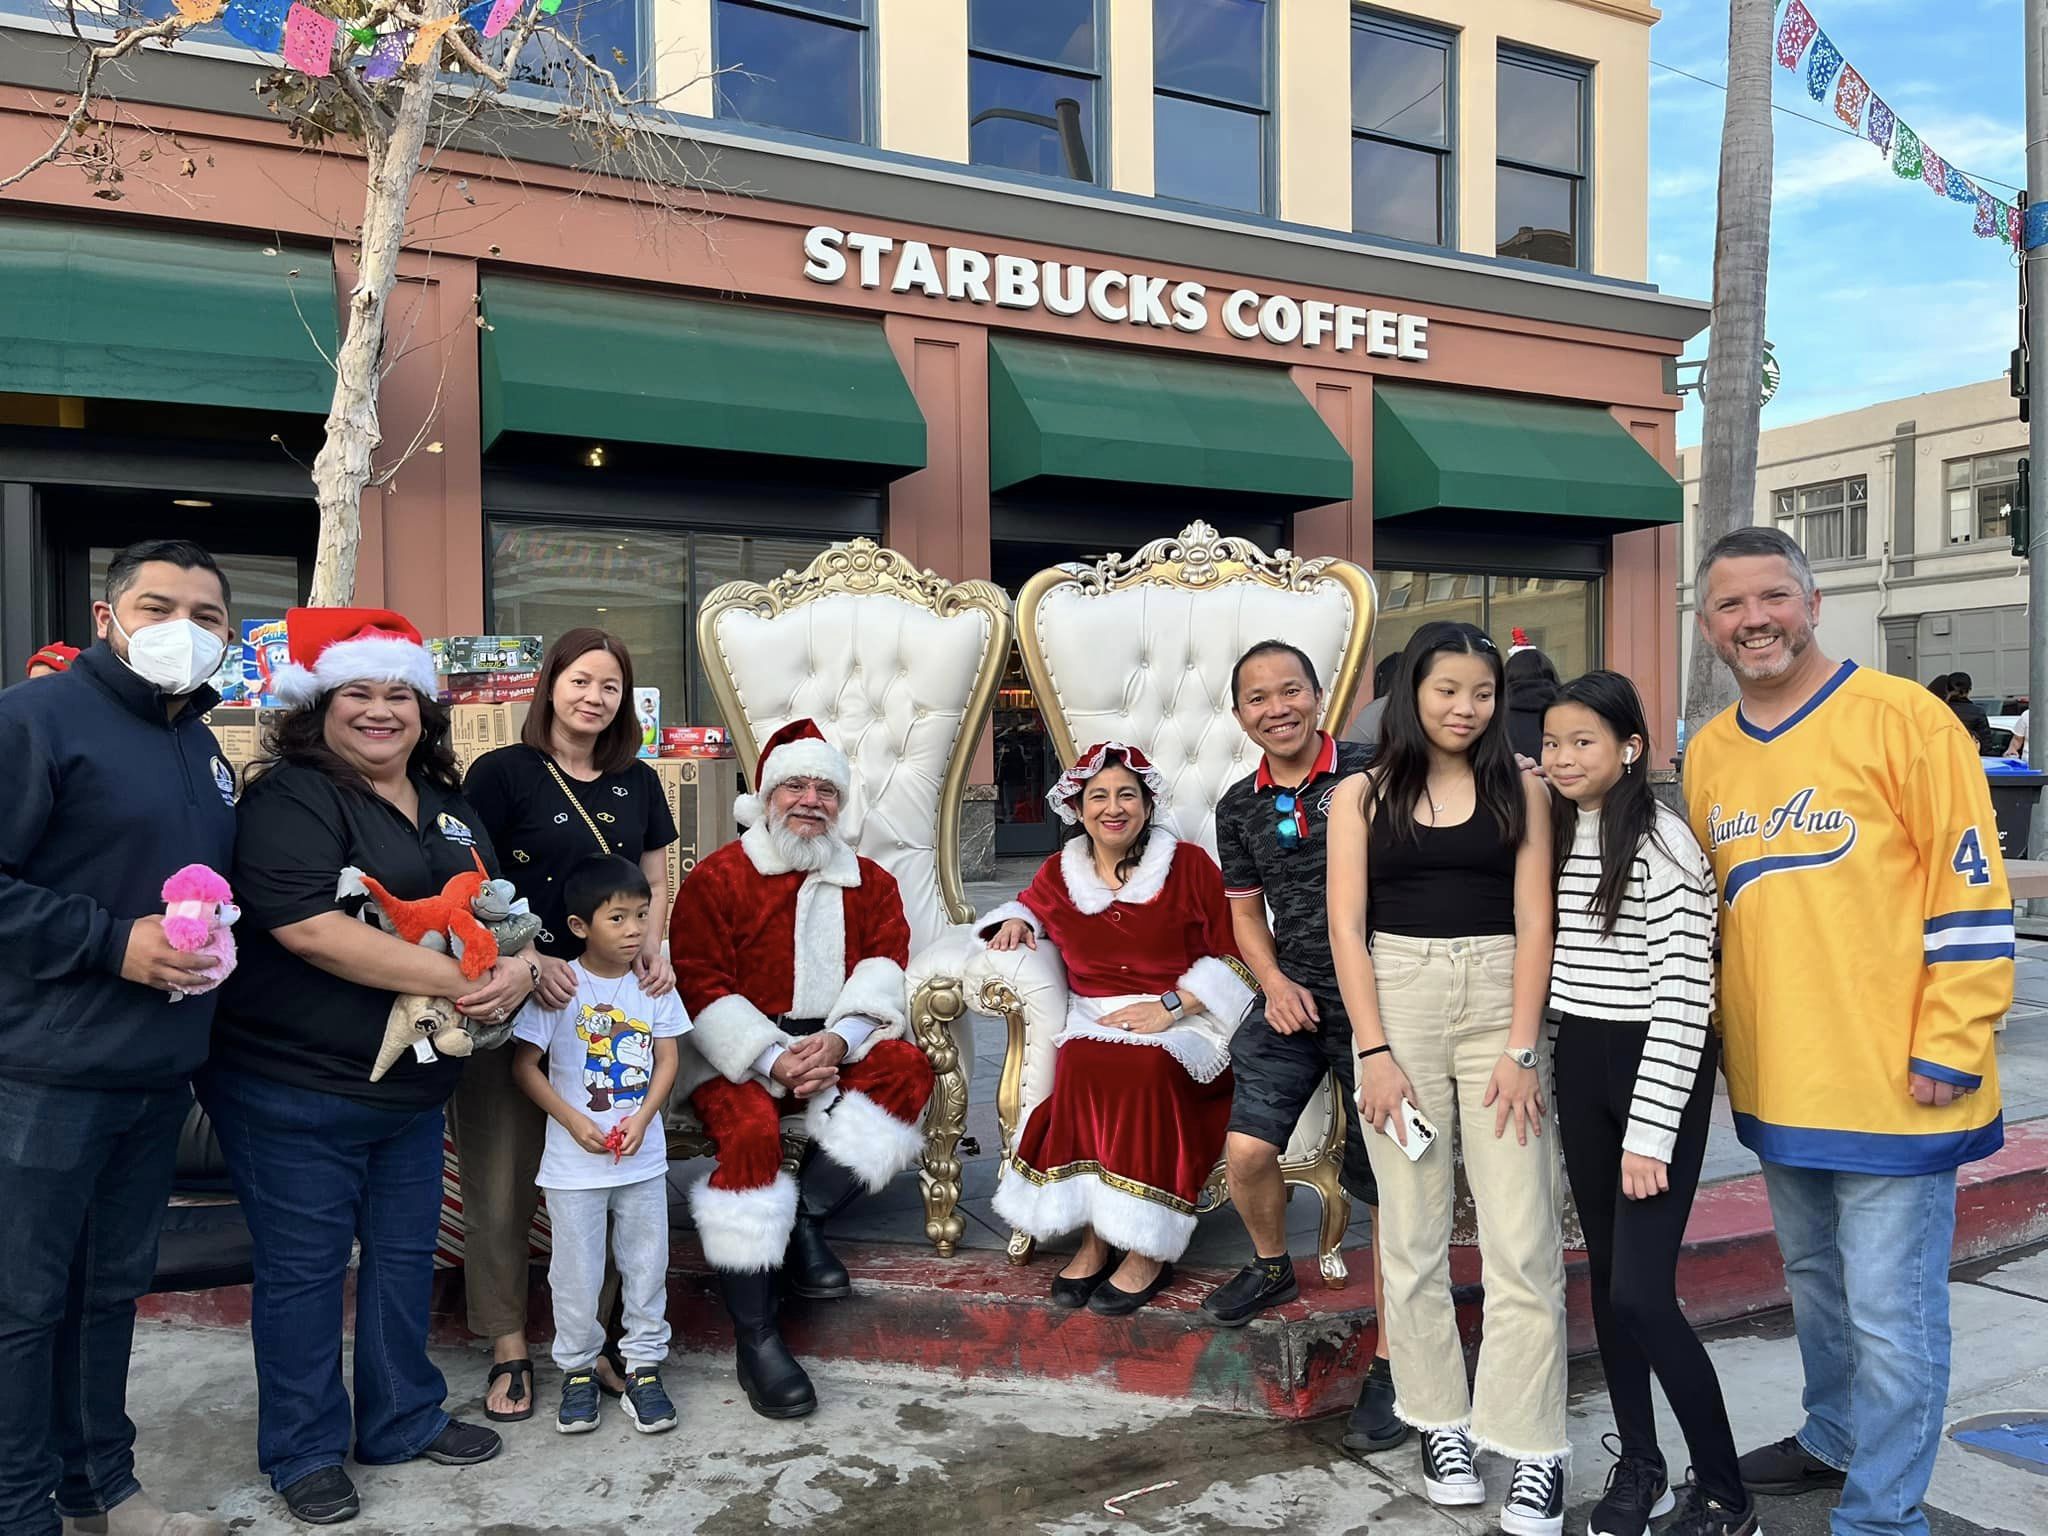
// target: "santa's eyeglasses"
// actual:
[[824, 789]]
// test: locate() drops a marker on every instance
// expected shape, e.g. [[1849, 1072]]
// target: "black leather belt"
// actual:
[[799, 1027]]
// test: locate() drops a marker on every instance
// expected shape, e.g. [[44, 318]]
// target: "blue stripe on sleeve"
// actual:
[[1941, 1074], [1969, 919], [1954, 952]]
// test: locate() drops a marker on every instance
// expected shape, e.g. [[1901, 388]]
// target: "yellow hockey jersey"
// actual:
[[1866, 927]]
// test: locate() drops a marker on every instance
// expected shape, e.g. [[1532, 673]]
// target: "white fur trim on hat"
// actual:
[[368, 659]]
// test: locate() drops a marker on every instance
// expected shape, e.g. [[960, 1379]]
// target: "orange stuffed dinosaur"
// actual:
[[443, 922]]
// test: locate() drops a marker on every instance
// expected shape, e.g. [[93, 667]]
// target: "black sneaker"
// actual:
[[1447, 1473], [1638, 1491], [580, 1401], [326, 1497], [1260, 1284], [1535, 1505], [647, 1402], [463, 1445], [1704, 1515], [1787, 1468], [1373, 1425]]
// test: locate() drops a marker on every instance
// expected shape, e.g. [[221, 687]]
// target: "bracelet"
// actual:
[[532, 969], [1373, 1051]]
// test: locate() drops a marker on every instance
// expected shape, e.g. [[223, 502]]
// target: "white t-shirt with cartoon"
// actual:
[[600, 1059]]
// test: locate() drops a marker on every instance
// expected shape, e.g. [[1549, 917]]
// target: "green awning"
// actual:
[[642, 368], [1065, 412], [117, 314], [1453, 449]]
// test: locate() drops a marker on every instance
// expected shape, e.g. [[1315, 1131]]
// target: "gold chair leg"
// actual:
[[1321, 1176], [1022, 1246], [933, 1012]]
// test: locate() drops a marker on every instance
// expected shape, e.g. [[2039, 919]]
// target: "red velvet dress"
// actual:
[[1135, 1122]]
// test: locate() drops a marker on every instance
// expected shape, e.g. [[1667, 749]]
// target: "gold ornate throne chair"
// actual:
[[1140, 649], [899, 668]]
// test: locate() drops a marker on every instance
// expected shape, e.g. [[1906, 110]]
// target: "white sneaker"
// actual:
[[1535, 1505], [1447, 1471]]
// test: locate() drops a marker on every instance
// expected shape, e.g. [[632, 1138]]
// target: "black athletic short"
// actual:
[[1276, 1076]]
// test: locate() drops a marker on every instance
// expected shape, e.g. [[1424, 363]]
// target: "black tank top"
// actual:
[[1453, 882]]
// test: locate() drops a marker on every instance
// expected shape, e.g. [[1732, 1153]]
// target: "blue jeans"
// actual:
[[84, 1175], [317, 1173], [1866, 1261]]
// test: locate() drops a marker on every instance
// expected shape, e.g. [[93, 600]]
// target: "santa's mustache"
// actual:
[[798, 851]]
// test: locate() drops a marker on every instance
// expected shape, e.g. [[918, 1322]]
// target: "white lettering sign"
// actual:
[[961, 275]]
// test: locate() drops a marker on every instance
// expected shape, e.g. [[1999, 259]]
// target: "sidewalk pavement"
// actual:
[[917, 1453]]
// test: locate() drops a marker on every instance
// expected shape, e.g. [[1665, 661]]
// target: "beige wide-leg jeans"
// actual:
[[1445, 1005]]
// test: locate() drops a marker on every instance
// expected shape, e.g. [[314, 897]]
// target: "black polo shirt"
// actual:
[[1294, 882], [282, 1018], [541, 835]]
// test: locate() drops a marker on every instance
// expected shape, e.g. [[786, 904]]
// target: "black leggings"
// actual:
[[1632, 1249]]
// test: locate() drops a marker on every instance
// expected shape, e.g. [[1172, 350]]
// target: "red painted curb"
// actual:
[[978, 1316]]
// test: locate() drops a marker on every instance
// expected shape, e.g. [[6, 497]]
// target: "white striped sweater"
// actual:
[[1655, 969]]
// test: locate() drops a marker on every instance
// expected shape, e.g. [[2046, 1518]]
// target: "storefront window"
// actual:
[[1210, 102], [1400, 130], [1540, 180], [1560, 615], [259, 586], [1980, 496], [795, 64], [1033, 77]]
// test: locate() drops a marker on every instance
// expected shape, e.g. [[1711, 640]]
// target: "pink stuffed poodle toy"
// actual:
[[199, 910]]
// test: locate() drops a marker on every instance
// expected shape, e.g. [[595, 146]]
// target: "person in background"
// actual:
[[571, 787], [2020, 731], [51, 659], [1269, 840], [1531, 684], [1365, 726], [1866, 958], [1631, 989], [358, 774], [1940, 686], [114, 784], [1967, 709]]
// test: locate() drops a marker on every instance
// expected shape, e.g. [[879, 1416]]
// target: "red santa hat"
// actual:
[[57, 656], [798, 750], [1518, 642], [333, 647], [1066, 793]]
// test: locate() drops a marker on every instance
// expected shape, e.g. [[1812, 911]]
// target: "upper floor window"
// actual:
[[1829, 521], [795, 64], [1541, 183], [608, 30], [1034, 80], [1980, 496], [1400, 130], [1209, 105]]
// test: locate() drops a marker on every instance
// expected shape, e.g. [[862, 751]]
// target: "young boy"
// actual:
[[611, 1060]]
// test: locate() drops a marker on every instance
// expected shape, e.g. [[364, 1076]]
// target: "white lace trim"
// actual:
[[1201, 1055]]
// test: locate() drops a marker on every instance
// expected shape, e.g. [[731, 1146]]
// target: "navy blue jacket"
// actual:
[[105, 798]]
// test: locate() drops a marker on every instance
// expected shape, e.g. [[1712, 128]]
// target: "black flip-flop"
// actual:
[[617, 1362], [521, 1392]]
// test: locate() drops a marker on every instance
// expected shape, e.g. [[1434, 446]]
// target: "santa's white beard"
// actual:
[[799, 852]]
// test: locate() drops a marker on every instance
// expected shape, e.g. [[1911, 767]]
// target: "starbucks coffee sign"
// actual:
[[961, 275]]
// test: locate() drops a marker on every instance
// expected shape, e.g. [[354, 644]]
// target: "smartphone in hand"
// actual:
[[1421, 1134]]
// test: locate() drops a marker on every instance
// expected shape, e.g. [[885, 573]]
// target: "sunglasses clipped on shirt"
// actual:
[[1291, 827]]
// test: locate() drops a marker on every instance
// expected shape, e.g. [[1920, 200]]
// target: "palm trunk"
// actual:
[[1735, 359]]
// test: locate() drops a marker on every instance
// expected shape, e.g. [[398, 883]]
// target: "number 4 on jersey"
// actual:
[[1969, 861]]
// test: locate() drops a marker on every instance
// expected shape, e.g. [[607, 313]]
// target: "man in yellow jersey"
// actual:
[[1867, 954]]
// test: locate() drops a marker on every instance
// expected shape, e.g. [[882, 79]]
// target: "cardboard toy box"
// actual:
[[486, 653], [700, 794]]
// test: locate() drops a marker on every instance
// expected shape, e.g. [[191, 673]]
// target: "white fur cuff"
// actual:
[[876, 989], [731, 1033], [745, 1230], [986, 925], [1225, 995], [864, 1138]]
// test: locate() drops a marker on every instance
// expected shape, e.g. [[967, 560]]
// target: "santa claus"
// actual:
[[789, 952]]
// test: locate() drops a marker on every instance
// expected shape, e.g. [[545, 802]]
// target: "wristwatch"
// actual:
[[1171, 1002], [1524, 1058]]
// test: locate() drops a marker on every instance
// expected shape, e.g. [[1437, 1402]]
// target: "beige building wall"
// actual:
[[920, 58]]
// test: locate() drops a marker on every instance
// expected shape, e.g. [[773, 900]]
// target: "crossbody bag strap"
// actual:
[[570, 795]]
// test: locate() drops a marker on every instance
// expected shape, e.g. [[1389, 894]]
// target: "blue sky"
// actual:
[[1878, 288]]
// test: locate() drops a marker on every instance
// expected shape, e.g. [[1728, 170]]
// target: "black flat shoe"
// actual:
[[1112, 1301], [1250, 1291], [1786, 1469], [325, 1497], [1074, 1290], [463, 1445]]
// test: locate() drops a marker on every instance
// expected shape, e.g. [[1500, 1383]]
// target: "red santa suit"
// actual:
[[758, 944], [1135, 1122]]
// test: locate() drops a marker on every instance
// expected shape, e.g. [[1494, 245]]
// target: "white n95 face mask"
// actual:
[[176, 655]]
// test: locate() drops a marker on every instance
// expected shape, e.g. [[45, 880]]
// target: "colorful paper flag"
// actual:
[[1821, 65], [1958, 187], [367, 36], [2034, 226], [1906, 156], [259, 23], [1795, 33], [549, 7], [1850, 96], [501, 16], [1933, 170], [200, 12], [2001, 220], [1878, 126], [476, 16], [308, 40], [427, 44], [1988, 222], [391, 51]]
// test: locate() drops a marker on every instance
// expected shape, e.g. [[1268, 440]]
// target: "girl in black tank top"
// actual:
[[1440, 898]]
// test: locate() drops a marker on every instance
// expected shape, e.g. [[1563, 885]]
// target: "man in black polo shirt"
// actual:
[[1270, 842]]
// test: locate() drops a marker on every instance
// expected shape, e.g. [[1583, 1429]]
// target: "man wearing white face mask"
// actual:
[[115, 783]]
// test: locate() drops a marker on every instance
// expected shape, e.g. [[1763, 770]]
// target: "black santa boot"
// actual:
[[810, 1268], [775, 1384]]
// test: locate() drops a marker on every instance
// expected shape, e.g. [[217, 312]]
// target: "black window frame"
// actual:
[[1264, 109], [1098, 123], [864, 25], [1581, 73], [1388, 24]]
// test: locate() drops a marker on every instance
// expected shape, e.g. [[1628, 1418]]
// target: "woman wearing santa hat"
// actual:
[[1141, 1086], [358, 774]]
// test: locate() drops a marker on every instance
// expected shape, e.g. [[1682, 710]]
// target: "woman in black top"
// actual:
[[1450, 844], [359, 774], [572, 787]]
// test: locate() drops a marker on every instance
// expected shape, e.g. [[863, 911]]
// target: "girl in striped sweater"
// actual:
[[1631, 989]]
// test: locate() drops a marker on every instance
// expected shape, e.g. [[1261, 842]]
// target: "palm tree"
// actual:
[[1735, 359]]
